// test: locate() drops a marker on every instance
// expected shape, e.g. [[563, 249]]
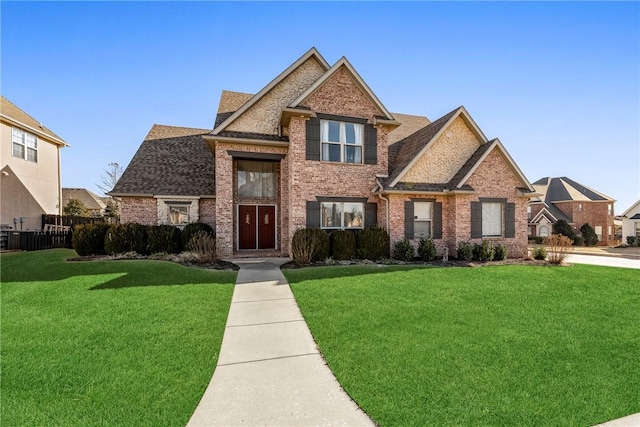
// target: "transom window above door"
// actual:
[[341, 141], [256, 179]]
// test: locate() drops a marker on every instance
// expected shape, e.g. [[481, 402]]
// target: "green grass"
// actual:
[[503, 345], [107, 343]]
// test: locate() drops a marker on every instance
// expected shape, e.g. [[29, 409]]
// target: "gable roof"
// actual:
[[343, 62], [563, 189], [311, 53], [631, 208], [403, 154], [164, 165], [552, 211], [89, 199], [12, 113]]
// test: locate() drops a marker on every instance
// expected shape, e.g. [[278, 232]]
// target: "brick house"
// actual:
[[317, 148], [564, 198]]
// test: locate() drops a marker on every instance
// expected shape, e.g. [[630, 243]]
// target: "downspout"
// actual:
[[59, 186]]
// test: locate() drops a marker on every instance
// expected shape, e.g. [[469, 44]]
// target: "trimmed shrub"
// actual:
[[190, 230], [123, 238], [203, 245], [88, 239], [633, 241], [373, 243], [164, 238], [536, 240], [578, 241], [539, 253], [343, 244], [483, 251], [589, 235], [500, 252], [309, 245], [562, 227], [427, 250], [465, 251], [403, 251]]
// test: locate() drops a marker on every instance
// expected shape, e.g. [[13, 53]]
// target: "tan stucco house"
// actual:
[[30, 172], [563, 198], [317, 148]]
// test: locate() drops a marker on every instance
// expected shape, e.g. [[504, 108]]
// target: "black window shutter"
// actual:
[[476, 220], [370, 144], [370, 215], [510, 220], [408, 220], [437, 220], [313, 139], [313, 214]]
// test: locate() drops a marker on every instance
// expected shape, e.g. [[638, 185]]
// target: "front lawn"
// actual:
[[500, 345], [107, 343]]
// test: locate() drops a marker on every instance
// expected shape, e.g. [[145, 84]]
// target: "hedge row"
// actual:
[[313, 244], [100, 238]]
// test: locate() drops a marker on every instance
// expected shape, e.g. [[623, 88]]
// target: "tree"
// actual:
[[109, 181], [562, 227], [75, 208], [589, 235]]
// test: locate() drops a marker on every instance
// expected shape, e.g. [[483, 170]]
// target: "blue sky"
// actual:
[[557, 82]]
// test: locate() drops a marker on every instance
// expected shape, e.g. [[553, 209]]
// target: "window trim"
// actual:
[[429, 220], [342, 143], [342, 202], [502, 221], [24, 144], [178, 204]]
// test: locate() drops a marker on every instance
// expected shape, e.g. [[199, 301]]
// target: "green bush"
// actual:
[[633, 241], [589, 235], [539, 253], [536, 239], [500, 252], [483, 251], [164, 238], [309, 245], [578, 241], [190, 230], [88, 239], [343, 244], [373, 244], [427, 250], [403, 251], [123, 238], [465, 251], [562, 227]]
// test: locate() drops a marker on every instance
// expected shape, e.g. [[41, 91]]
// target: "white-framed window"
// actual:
[[610, 208], [529, 212], [178, 213], [598, 230], [610, 231], [580, 207], [257, 179], [637, 228], [25, 145], [341, 215], [341, 141], [544, 231], [423, 215], [492, 219]]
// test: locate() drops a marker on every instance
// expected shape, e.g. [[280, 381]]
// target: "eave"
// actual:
[[288, 113], [57, 141], [245, 141]]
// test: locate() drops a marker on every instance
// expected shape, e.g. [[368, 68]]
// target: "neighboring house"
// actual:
[[30, 171], [631, 222], [94, 203], [563, 198], [317, 148]]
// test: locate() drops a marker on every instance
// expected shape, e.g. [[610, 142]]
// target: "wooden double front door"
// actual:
[[256, 227]]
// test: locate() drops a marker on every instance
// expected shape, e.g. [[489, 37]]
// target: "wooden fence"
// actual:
[[70, 221], [38, 240]]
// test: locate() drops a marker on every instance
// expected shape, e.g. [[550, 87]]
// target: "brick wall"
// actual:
[[208, 211], [142, 210], [593, 213]]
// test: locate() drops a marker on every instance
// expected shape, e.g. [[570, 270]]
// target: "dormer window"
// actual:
[[341, 141], [25, 145]]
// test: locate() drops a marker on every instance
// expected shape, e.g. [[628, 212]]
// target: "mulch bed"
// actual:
[[450, 263], [218, 265]]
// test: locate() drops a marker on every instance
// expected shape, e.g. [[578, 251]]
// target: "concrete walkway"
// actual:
[[270, 372]]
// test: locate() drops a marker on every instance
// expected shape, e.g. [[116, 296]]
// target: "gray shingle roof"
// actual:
[[171, 161], [9, 109], [469, 164], [404, 151], [563, 189], [252, 135]]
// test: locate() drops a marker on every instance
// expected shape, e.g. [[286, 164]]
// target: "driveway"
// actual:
[[608, 261]]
